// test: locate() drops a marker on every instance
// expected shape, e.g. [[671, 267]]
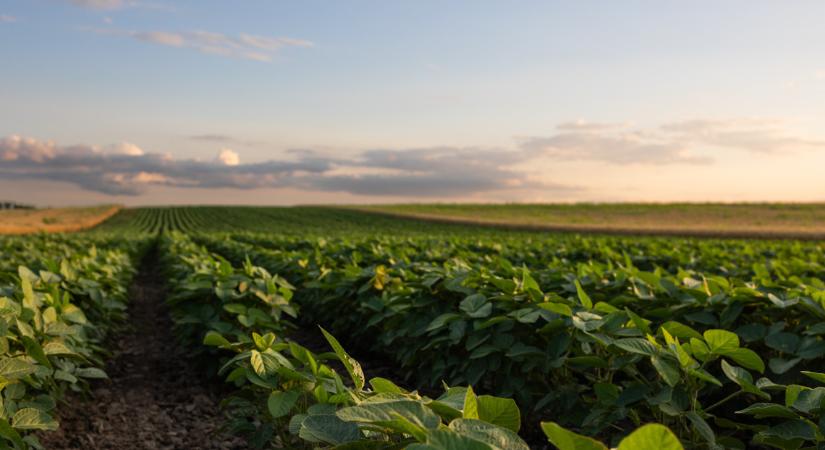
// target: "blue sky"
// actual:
[[385, 101]]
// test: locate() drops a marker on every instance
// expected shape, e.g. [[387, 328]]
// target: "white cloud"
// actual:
[[5, 18], [126, 148], [245, 46], [228, 157], [672, 143]]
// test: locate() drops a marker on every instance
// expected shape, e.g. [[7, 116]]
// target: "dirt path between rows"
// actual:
[[154, 399]]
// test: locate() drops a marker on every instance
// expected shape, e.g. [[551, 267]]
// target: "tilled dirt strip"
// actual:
[[154, 398]]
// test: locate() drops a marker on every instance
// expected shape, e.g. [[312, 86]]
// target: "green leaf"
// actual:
[[11, 434], [810, 400], [702, 428], [814, 375], [780, 366], [763, 410], [583, 297], [499, 411], [34, 350], [651, 437], [721, 342], [280, 403], [442, 320], [747, 358], [637, 345], [558, 308], [14, 368], [667, 370], [790, 430], [476, 306], [385, 411], [470, 410], [568, 440], [640, 323], [257, 361], [328, 428], [33, 419], [352, 366], [783, 342], [383, 385], [214, 339], [743, 378], [446, 439], [680, 330], [498, 437]]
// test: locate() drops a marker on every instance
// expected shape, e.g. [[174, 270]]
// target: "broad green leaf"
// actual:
[[499, 411], [763, 410], [498, 437], [810, 400], [790, 430], [383, 385], [476, 306], [34, 350], [667, 370], [743, 378], [214, 339], [783, 342], [446, 439], [651, 437], [558, 308], [33, 419], [385, 411], [702, 428], [442, 321], [721, 342], [780, 365], [640, 323], [680, 330], [14, 368], [11, 434], [328, 428], [747, 358], [280, 403], [568, 440], [637, 345]]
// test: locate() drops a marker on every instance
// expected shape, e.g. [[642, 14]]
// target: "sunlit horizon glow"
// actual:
[[202, 102]]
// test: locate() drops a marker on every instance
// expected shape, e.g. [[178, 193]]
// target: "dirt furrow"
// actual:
[[155, 398]]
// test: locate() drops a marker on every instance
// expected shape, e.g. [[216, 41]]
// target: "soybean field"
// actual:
[[477, 337]]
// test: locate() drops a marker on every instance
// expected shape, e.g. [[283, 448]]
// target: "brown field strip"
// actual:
[[54, 220]]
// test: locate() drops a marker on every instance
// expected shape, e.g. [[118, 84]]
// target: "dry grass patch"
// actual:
[[54, 220]]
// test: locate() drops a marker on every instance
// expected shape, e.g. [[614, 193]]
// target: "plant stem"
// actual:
[[722, 401]]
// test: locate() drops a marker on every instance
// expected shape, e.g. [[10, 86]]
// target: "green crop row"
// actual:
[[633, 334], [55, 312], [289, 397]]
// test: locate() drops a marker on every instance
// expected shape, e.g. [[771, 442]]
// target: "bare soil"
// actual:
[[155, 398]]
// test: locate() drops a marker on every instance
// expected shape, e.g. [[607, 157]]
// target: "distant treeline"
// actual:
[[14, 205]]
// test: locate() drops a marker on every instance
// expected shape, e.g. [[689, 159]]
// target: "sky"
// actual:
[[293, 102]]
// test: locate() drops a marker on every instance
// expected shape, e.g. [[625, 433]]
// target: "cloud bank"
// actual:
[[126, 169]]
